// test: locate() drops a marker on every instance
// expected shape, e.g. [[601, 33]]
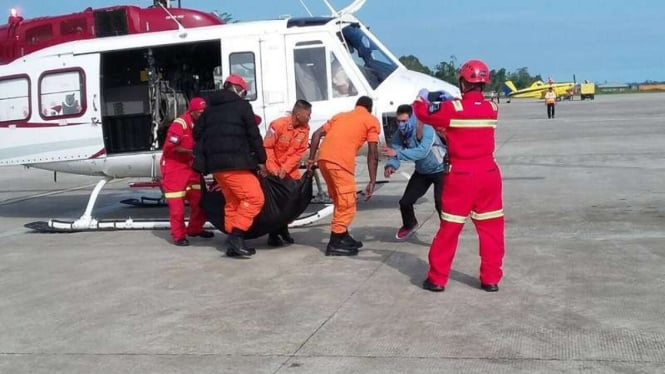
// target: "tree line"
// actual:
[[448, 71]]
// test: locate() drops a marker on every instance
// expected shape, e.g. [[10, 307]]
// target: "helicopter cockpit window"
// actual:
[[242, 63], [311, 71], [14, 99], [61, 94], [341, 83], [374, 62]]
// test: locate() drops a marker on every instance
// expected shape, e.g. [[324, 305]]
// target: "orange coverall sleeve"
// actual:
[[373, 130], [269, 145]]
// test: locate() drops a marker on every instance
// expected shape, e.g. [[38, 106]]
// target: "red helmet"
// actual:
[[238, 81], [475, 71], [197, 103]]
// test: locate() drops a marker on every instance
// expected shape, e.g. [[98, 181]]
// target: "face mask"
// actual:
[[406, 128]]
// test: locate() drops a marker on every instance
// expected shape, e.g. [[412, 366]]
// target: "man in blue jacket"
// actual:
[[415, 141]]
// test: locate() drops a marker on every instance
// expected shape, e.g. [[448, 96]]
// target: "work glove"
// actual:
[[424, 94], [440, 96]]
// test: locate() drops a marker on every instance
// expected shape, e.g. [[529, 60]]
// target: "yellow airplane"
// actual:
[[538, 89]]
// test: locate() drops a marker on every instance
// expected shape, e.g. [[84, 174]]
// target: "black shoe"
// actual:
[[236, 243], [337, 251], [428, 285], [348, 240], [286, 236], [490, 287], [181, 242], [274, 240], [204, 234], [232, 253], [338, 247]]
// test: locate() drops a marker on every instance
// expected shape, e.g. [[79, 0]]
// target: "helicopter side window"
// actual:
[[311, 71], [341, 83], [14, 99], [242, 63], [61, 94]]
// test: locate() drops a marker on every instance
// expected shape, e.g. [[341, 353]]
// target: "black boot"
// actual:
[[286, 236], [348, 239], [274, 240], [338, 247], [236, 244]]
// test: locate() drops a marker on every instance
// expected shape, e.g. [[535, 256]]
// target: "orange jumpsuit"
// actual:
[[345, 134], [179, 181], [285, 146]]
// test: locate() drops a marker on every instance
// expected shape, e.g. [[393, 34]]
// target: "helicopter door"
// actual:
[[320, 75], [243, 57]]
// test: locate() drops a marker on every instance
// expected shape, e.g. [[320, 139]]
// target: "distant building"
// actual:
[[651, 87], [613, 87]]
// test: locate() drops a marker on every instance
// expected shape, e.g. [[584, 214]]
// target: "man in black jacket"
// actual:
[[231, 148]]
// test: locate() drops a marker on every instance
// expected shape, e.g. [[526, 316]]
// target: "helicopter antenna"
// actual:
[[182, 32], [306, 8]]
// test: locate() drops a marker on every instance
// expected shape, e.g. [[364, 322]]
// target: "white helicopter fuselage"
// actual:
[[98, 106]]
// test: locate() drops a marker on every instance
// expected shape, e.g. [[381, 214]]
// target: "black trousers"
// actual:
[[550, 110], [415, 189]]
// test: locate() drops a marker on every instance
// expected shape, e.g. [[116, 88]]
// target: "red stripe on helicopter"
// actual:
[[99, 153]]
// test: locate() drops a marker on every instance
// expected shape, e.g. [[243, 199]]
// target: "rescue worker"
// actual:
[[550, 101], [179, 181], [473, 184], [285, 143], [415, 141], [231, 149], [344, 134]]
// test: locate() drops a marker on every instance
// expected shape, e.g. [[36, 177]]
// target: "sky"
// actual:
[[596, 40]]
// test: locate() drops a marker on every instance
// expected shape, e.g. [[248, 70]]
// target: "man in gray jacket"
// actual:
[[415, 141]]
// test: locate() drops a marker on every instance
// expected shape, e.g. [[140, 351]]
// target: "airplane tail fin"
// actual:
[[509, 88]]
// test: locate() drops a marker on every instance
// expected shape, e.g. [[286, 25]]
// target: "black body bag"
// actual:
[[285, 200]]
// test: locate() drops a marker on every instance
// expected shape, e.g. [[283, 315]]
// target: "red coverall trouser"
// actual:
[[471, 188], [180, 184]]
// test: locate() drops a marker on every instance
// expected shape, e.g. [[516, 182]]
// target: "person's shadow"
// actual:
[[412, 264]]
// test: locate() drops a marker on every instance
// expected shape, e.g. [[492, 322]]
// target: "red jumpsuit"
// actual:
[[472, 187], [179, 181]]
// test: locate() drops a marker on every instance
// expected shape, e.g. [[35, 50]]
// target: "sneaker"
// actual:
[[404, 232]]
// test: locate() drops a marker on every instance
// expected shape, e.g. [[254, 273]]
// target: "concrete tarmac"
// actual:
[[584, 286]]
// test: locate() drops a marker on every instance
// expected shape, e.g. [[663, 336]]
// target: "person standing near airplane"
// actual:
[[473, 185], [232, 150], [179, 181], [550, 102], [285, 143], [344, 134], [415, 141]]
